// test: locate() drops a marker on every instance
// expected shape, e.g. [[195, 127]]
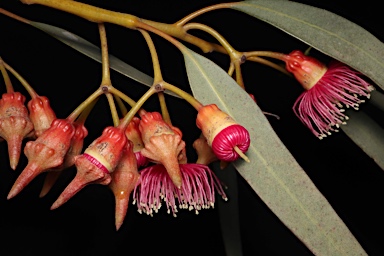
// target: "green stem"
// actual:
[[274, 55], [269, 64], [229, 49], [128, 117], [23, 82], [164, 109], [122, 96], [72, 117], [112, 106], [7, 80], [202, 11], [106, 77], [186, 96], [89, 12], [83, 116], [120, 103]]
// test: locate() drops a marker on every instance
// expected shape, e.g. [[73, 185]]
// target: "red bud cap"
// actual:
[[162, 145], [41, 114], [228, 139], [124, 180], [97, 162], [45, 152], [307, 70], [15, 124]]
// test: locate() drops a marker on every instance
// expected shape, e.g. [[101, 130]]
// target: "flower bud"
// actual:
[[96, 163], [124, 180], [133, 134], [15, 124], [307, 70], [41, 114], [204, 152], [223, 133], [161, 144], [46, 152], [75, 149]]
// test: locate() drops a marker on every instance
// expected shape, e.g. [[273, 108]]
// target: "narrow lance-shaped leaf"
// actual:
[[229, 210], [273, 172], [377, 99], [367, 134], [325, 31], [94, 53]]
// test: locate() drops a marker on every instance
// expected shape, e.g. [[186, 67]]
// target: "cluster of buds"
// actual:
[[116, 157]]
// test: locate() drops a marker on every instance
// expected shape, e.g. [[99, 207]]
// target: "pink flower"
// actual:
[[328, 91], [197, 190]]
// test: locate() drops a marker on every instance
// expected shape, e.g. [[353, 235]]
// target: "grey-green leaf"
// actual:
[[377, 99], [325, 31], [367, 134], [273, 173], [93, 52], [229, 211]]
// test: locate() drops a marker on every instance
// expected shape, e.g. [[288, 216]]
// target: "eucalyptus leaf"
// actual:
[[325, 31], [377, 99], [273, 173], [94, 53], [367, 134], [229, 211]]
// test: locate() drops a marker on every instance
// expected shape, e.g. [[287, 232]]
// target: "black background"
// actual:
[[348, 178]]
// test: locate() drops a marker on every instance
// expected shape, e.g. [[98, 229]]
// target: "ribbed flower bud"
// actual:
[[46, 152], [41, 114], [15, 124], [133, 134], [124, 180], [204, 152], [222, 132], [161, 144], [96, 163], [307, 70], [75, 149]]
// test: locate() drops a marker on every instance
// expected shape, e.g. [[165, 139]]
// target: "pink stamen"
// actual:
[[197, 191]]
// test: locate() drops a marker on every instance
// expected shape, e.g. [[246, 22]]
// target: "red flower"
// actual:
[[328, 91], [223, 133], [197, 190], [96, 163], [15, 124], [46, 152]]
